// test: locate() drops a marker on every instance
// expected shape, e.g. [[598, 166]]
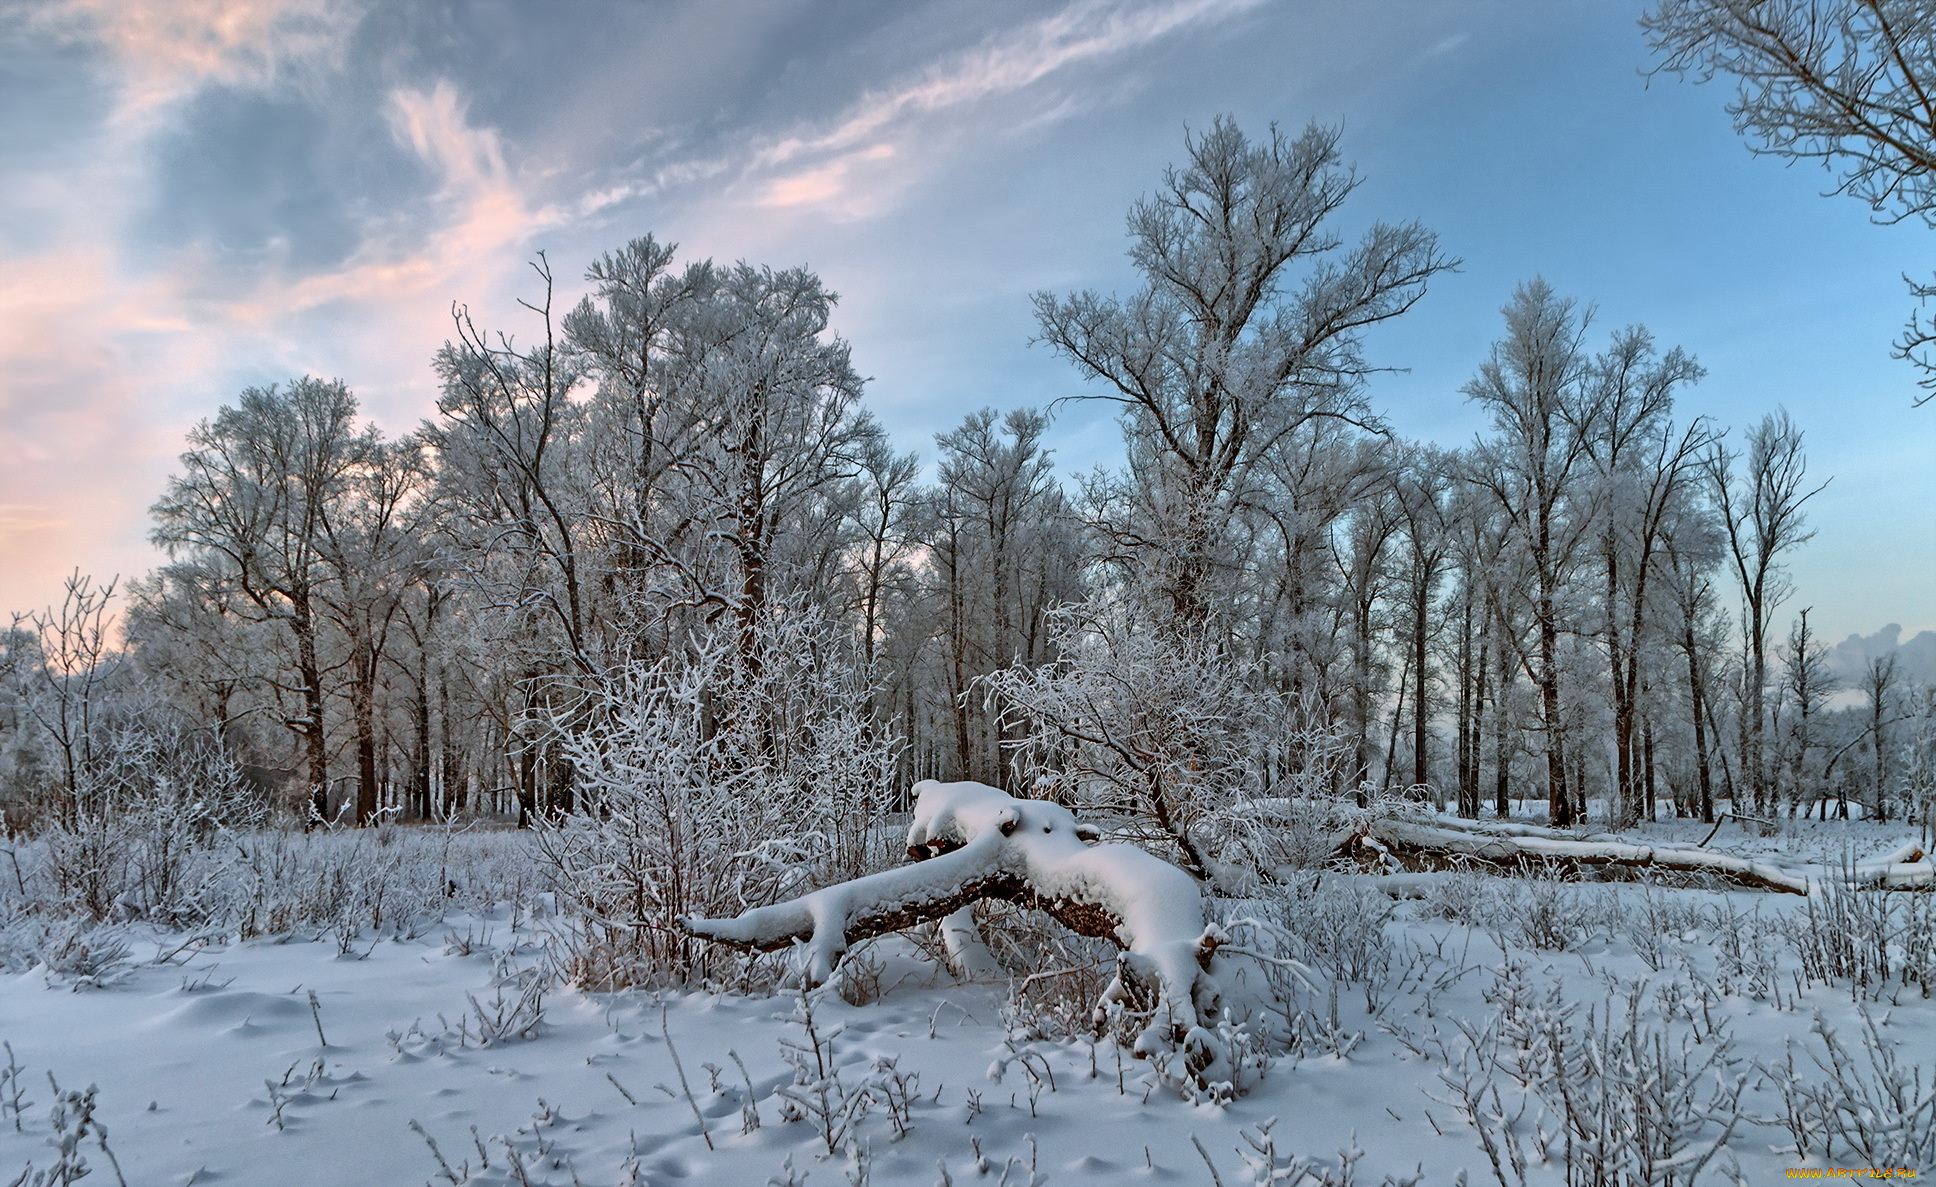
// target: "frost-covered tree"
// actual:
[[1536, 387], [1696, 628], [1880, 680], [1003, 554], [785, 436], [1246, 328], [1760, 506], [378, 555], [1421, 486], [1805, 689], [247, 521], [1646, 468]]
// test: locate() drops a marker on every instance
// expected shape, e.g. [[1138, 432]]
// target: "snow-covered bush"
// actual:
[[78, 954], [1872, 1106], [1055, 976], [1551, 914], [1872, 940], [712, 781], [353, 880], [1340, 928], [1154, 726], [1606, 1092], [260, 882], [1462, 896], [137, 842]]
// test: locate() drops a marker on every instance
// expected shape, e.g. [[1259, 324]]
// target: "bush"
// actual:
[[711, 782]]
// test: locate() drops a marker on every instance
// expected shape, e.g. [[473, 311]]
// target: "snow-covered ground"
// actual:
[[1438, 1039]]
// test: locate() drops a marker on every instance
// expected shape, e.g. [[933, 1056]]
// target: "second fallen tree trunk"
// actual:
[[1416, 844]]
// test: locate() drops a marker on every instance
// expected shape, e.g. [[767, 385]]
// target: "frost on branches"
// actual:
[[717, 779], [971, 841], [1158, 728]]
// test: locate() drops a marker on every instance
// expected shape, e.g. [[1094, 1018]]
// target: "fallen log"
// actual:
[[970, 842], [1415, 844]]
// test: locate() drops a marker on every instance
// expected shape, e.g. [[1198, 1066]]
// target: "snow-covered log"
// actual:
[[1413, 843], [1413, 840], [971, 841]]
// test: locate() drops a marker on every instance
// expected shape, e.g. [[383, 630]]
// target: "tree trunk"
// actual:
[[1559, 805], [309, 669], [1501, 758], [363, 702], [1421, 773]]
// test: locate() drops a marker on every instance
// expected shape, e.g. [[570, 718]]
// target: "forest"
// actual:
[[673, 496]]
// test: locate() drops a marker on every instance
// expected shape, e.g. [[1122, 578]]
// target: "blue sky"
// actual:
[[205, 194]]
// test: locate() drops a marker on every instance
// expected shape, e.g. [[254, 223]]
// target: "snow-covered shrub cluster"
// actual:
[[134, 840], [1605, 1090], [1871, 1103], [265, 882], [1876, 941], [730, 775]]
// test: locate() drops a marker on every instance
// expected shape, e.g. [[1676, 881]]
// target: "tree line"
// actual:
[[1276, 593]]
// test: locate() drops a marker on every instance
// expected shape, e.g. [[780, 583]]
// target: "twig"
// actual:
[[630, 1099], [1214, 1176], [316, 1012], [666, 1032], [449, 1174]]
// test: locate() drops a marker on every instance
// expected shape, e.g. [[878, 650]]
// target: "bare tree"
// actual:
[[1761, 514], [508, 437], [65, 688], [1879, 680], [1850, 84]]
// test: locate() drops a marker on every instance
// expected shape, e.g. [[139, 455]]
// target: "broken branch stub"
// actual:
[[971, 841]]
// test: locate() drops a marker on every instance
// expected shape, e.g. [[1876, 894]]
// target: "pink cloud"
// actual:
[[165, 50], [83, 350]]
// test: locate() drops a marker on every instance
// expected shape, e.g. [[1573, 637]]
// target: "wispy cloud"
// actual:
[[1010, 61], [482, 216], [823, 166]]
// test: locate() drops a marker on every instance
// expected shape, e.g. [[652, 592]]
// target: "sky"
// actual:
[[203, 195]]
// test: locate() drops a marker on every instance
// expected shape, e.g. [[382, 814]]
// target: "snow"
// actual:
[[211, 1068]]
